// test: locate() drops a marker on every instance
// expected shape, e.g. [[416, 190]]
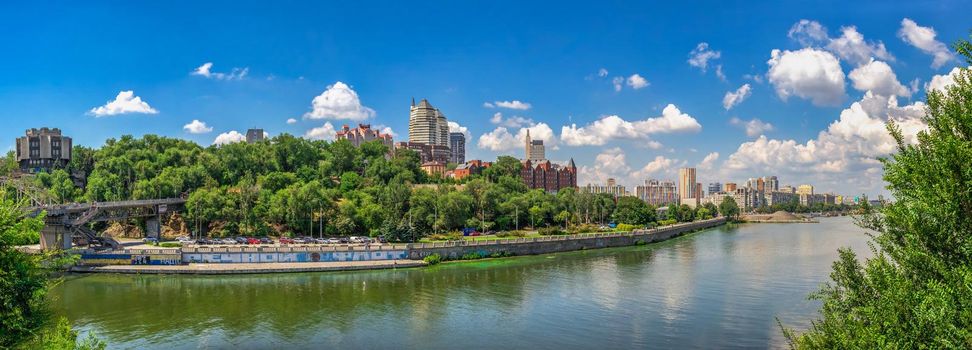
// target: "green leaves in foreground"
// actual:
[[916, 292]]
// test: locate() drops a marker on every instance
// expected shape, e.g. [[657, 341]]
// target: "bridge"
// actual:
[[67, 223]]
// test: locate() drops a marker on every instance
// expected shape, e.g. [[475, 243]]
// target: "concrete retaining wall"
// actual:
[[554, 244]]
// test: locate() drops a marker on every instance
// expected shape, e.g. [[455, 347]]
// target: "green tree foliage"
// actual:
[[915, 292], [729, 208], [634, 211]]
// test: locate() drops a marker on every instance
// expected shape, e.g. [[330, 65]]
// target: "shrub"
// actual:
[[626, 227], [667, 222], [170, 245], [550, 231], [511, 234], [472, 256], [449, 236], [433, 259], [584, 228]]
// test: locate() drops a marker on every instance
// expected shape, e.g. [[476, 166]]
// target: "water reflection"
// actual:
[[721, 288]]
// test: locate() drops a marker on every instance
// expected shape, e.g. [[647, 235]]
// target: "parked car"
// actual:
[[344, 240], [150, 240], [241, 240], [202, 241], [185, 240], [304, 240], [285, 240], [228, 241], [252, 240], [266, 240], [320, 240], [332, 241]]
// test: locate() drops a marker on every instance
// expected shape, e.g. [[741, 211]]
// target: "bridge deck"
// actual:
[[83, 207]]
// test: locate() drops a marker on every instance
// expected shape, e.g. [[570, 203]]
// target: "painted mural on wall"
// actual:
[[269, 257]]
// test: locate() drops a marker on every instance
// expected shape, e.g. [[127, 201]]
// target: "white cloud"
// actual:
[[323, 132], [388, 130], [613, 127], [659, 165], [754, 127], [515, 104], [618, 83], [339, 101], [197, 127], [844, 155], [807, 73], [924, 39], [501, 140], [808, 33], [877, 76], [455, 127], [850, 45], [291, 121], [940, 82], [125, 102], [602, 72], [636, 81], [701, 55], [512, 122], [205, 70], [488, 105], [708, 162], [731, 99], [229, 137], [612, 163], [719, 73]]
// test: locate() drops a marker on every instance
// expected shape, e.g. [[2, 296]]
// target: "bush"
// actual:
[[584, 228], [667, 222], [472, 256], [551, 231], [500, 255], [511, 234], [626, 227], [170, 245], [433, 259], [449, 236]]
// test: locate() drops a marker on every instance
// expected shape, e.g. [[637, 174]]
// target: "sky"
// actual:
[[800, 90]]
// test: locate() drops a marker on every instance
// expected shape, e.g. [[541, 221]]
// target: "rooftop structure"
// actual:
[[43, 149]]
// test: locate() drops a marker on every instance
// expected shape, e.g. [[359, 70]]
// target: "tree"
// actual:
[[634, 211], [914, 293], [729, 208]]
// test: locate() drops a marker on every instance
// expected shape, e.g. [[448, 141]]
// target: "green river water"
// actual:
[[720, 288]]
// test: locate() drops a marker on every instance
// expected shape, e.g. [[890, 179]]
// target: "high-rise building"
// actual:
[[43, 149], [535, 151], [771, 183], [657, 193], [787, 189], [612, 188], [687, 187], [805, 189], [255, 135], [714, 187], [364, 133], [730, 187], [426, 124], [457, 143]]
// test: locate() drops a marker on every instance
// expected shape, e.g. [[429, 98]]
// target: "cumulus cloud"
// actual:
[[612, 163], [488, 105], [923, 38], [515, 104], [807, 73], [323, 132], [612, 127], [291, 121], [229, 137], [501, 140], [205, 70], [850, 45], [733, 98], [842, 156], [940, 82], [753, 127], [618, 83], [125, 102], [636, 81], [877, 76], [512, 122], [700, 56], [339, 101], [455, 127], [708, 162], [197, 127], [602, 72]]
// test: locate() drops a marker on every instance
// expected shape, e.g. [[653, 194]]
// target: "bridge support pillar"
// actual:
[[55, 237], [153, 227]]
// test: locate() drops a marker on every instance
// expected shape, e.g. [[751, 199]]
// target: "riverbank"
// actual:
[[250, 268]]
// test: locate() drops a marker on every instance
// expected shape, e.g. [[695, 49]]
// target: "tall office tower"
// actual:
[[457, 142], [730, 187], [427, 125], [534, 149], [255, 135], [714, 187], [611, 182], [43, 149], [657, 193], [771, 184], [687, 185]]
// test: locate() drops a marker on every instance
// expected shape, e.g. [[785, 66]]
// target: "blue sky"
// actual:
[[63, 61]]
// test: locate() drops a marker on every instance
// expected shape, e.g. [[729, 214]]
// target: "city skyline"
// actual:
[[682, 98]]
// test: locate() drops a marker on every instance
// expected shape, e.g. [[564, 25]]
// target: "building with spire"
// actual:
[[534, 149]]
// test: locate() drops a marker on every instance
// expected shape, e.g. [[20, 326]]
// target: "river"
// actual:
[[720, 288]]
